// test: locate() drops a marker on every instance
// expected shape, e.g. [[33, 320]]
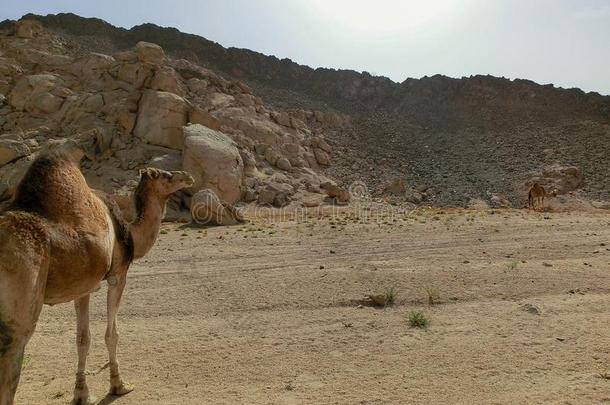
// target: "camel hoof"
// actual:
[[122, 389]]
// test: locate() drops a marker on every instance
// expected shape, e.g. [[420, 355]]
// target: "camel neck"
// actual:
[[145, 229]]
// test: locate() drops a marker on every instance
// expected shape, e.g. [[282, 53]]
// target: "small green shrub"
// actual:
[[390, 295], [433, 295], [417, 319]]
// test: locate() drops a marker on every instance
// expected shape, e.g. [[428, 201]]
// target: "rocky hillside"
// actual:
[[140, 108], [458, 139]]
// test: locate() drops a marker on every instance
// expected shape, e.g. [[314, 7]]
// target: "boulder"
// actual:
[[44, 60], [199, 116], [499, 201], [208, 209], [320, 142], [150, 53], [91, 68], [283, 164], [214, 161], [274, 193], [321, 157], [272, 156], [137, 74], [166, 79], [37, 94], [259, 130], [563, 178], [337, 194], [556, 179], [11, 150], [281, 118], [395, 187], [161, 116], [27, 28]]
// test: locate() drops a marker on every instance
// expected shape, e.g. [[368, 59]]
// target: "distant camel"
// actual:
[[535, 197], [58, 241]]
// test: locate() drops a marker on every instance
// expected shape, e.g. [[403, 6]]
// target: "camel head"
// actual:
[[163, 183]]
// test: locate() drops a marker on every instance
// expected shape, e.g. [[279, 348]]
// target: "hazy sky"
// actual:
[[565, 42]]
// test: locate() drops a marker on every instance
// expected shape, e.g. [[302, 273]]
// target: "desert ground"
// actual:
[[273, 312]]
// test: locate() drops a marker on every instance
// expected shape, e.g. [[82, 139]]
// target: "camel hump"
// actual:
[[54, 188]]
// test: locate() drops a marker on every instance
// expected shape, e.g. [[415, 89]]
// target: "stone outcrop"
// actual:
[[143, 108], [560, 178], [214, 161], [432, 130]]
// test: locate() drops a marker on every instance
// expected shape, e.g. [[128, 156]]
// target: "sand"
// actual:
[[269, 313]]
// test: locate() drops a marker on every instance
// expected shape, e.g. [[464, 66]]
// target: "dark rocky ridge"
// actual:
[[466, 137]]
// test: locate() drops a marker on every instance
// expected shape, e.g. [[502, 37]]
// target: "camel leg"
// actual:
[[83, 341], [11, 358], [115, 291], [21, 299]]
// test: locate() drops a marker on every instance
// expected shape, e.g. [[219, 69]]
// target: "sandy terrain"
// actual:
[[267, 313]]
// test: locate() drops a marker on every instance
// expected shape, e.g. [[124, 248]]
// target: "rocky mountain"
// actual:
[[446, 141], [138, 108]]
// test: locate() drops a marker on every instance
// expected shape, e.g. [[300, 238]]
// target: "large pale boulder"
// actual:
[[161, 117], [150, 53], [214, 161], [208, 209]]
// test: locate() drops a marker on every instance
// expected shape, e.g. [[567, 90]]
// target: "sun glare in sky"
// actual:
[[392, 16]]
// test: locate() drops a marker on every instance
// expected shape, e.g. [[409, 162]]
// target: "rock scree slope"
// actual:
[[472, 138]]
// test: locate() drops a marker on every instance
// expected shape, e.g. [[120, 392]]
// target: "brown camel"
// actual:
[[535, 197], [58, 241]]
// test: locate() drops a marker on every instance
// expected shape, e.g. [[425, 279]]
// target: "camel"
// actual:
[[536, 196], [58, 241]]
